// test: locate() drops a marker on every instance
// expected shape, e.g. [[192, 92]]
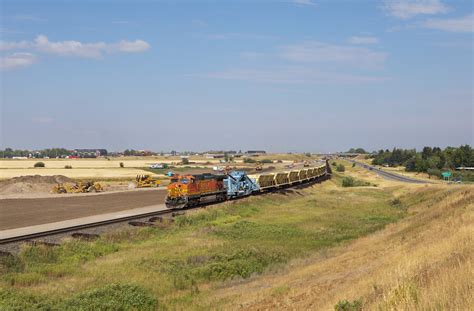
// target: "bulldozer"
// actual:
[[259, 166], [79, 187], [146, 181]]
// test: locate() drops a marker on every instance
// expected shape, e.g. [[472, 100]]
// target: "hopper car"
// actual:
[[191, 190]]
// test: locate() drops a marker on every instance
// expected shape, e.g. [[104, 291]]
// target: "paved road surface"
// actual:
[[388, 175], [15, 213]]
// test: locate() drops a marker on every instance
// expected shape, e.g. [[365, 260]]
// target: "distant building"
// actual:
[[214, 156], [256, 152], [464, 168], [90, 153]]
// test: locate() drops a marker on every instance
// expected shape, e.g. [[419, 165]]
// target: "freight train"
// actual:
[[191, 190]]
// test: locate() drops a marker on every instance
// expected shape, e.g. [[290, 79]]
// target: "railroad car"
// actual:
[[190, 190]]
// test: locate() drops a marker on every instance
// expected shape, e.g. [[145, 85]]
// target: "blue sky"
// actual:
[[196, 75]]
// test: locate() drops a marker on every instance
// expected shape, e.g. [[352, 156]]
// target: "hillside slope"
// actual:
[[421, 262]]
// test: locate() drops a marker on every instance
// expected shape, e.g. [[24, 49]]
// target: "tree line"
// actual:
[[50, 153], [431, 160]]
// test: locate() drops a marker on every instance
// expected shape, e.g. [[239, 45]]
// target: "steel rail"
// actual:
[[81, 227], [25, 237]]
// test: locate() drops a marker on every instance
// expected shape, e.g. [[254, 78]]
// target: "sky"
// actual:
[[283, 76]]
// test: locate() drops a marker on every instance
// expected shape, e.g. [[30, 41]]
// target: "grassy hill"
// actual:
[[389, 245]]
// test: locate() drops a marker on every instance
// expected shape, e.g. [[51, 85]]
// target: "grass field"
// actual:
[[245, 252]]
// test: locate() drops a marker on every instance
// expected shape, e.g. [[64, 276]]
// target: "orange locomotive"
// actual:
[[190, 190]]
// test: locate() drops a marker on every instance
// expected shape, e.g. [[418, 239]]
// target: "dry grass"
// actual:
[[95, 173], [101, 168], [423, 262]]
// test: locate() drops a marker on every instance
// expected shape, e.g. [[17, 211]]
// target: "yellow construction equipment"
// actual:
[[259, 166], [80, 187], [146, 181]]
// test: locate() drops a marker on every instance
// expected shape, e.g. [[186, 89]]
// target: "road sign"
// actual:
[[446, 175]]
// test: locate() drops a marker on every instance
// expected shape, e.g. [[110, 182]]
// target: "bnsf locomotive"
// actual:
[[191, 190]]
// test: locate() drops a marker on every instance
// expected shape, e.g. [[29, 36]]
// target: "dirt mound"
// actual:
[[31, 184]]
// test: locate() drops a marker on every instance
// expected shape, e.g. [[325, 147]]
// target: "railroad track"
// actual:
[[131, 219], [72, 229]]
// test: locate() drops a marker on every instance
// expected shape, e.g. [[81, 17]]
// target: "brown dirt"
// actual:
[[31, 184], [16, 213]]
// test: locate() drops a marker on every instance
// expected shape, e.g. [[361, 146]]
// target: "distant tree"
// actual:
[[185, 161], [426, 153], [356, 150], [39, 164], [249, 160]]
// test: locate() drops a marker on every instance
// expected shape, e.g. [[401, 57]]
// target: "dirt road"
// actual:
[[16, 213]]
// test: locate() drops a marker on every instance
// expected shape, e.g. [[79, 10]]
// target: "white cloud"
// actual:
[[133, 46], [323, 53], [405, 9], [293, 75], [461, 24], [304, 2], [76, 48], [70, 48], [64, 48], [363, 40], [16, 60], [6, 46]]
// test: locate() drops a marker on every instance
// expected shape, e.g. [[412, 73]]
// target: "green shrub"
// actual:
[[353, 164], [67, 166], [352, 182], [266, 161], [340, 168], [39, 164], [185, 161], [395, 202], [112, 297], [348, 181], [249, 160], [434, 172], [334, 163], [121, 164], [16, 300], [345, 305]]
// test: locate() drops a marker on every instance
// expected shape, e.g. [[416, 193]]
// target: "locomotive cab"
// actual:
[[190, 190]]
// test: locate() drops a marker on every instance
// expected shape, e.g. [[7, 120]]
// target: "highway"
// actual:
[[388, 175]]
